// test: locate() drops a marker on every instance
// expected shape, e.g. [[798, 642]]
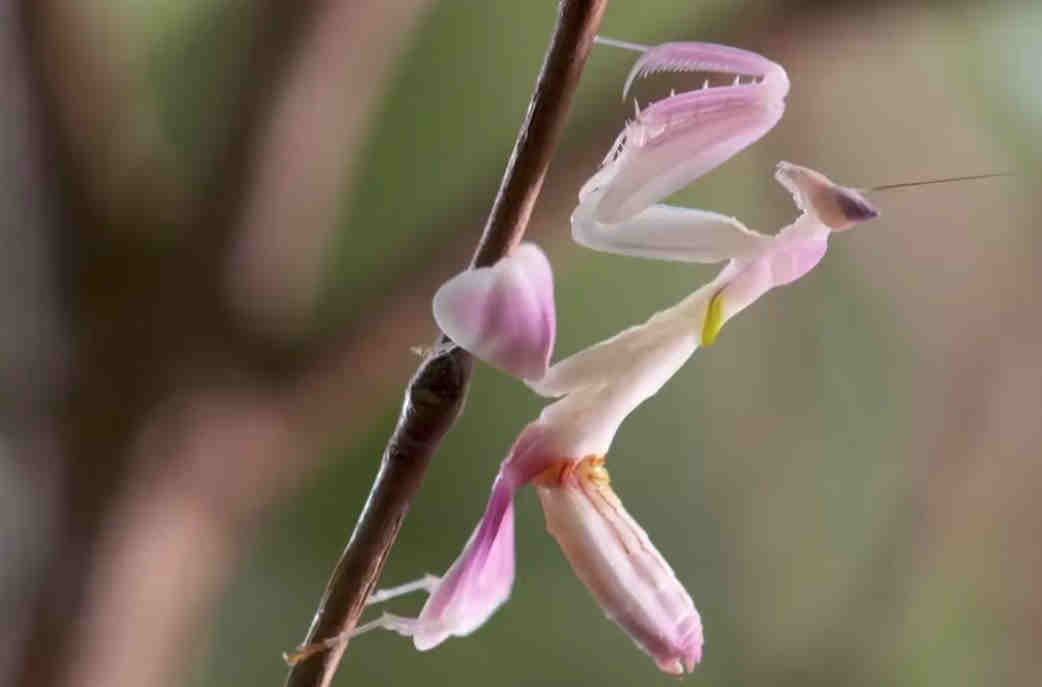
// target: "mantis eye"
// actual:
[[840, 208], [854, 206]]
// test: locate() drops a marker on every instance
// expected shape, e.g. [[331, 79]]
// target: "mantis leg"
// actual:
[[427, 583], [676, 140]]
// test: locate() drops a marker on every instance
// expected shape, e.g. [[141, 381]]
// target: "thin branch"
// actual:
[[435, 394], [576, 26]]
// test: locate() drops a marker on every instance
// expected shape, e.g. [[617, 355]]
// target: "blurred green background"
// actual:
[[846, 482]]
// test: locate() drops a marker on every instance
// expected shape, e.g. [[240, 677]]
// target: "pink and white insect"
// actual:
[[561, 452]]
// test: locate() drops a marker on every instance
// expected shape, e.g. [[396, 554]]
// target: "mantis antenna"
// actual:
[[946, 180], [625, 45]]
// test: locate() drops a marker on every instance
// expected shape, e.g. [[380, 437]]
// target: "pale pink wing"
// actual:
[[503, 314], [478, 582]]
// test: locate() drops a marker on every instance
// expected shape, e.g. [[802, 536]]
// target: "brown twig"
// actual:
[[436, 392]]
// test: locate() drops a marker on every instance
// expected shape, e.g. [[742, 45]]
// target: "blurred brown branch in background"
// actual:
[[191, 385], [178, 414], [435, 395]]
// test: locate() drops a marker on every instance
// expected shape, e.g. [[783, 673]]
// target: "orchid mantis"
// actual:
[[504, 314]]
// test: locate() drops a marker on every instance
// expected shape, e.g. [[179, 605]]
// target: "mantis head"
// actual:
[[838, 207]]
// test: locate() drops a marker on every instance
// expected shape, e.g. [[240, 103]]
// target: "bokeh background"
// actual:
[[846, 482]]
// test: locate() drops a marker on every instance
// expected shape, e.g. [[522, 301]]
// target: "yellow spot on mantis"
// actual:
[[566, 470], [714, 319]]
